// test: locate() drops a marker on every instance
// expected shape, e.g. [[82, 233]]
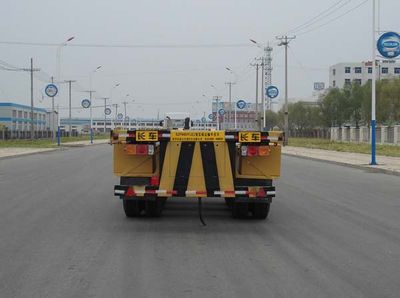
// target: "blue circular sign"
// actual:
[[221, 112], [272, 92], [107, 111], [389, 45], [85, 103], [51, 90], [204, 119], [211, 116], [127, 118], [120, 116], [241, 104]]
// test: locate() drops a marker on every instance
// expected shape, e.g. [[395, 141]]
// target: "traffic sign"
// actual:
[[204, 119], [120, 116], [211, 116], [85, 103], [51, 90], [221, 112], [127, 118], [241, 104], [272, 92], [107, 111], [389, 45]]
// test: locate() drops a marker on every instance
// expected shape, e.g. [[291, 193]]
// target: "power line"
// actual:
[[334, 19], [144, 46], [325, 13]]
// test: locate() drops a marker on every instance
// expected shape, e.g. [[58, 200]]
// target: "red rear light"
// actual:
[[154, 181], [252, 151], [141, 149], [130, 192], [261, 193]]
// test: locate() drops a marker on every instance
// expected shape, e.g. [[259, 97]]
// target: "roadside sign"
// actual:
[[203, 119], [51, 90], [127, 118], [120, 116], [197, 136], [211, 116], [389, 45], [249, 137], [221, 112], [107, 111], [318, 86], [85, 103], [146, 135], [241, 104], [272, 92]]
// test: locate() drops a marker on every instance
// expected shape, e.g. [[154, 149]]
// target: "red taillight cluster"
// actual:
[[255, 150], [133, 149]]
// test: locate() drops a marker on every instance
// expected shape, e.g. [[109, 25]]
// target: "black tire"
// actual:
[[260, 210], [154, 208], [229, 202], [240, 209], [132, 207]]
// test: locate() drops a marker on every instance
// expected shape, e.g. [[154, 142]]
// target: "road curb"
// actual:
[[361, 167], [29, 153], [62, 148]]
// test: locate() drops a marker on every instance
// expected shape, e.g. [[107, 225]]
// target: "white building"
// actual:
[[346, 73]]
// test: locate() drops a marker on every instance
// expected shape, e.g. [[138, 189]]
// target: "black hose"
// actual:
[[200, 212]]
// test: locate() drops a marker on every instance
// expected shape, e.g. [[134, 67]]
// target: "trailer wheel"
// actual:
[[154, 208], [260, 210], [133, 207], [240, 209], [229, 202]]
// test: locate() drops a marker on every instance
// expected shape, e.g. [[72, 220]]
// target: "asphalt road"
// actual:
[[333, 231]]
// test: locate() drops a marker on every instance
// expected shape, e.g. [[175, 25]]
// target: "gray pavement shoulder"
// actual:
[[366, 167]]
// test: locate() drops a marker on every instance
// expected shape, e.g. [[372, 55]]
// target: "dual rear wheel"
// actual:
[[135, 207], [257, 210]]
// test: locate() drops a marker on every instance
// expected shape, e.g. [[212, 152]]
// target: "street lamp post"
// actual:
[[58, 56], [230, 94], [91, 103]]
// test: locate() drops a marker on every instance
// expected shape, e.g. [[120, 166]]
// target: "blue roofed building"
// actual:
[[17, 118]]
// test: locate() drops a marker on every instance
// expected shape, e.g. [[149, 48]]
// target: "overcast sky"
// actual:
[[175, 79]]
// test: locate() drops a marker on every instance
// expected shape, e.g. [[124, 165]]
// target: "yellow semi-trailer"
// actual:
[[154, 165]]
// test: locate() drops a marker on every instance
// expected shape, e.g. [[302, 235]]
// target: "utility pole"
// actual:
[[230, 101], [53, 135], [116, 112], [105, 116], [31, 70], [284, 41], [268, 73], [257, 65], [91, 114], [125, 103], [263, 92], [217, 98], [70, 104]]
